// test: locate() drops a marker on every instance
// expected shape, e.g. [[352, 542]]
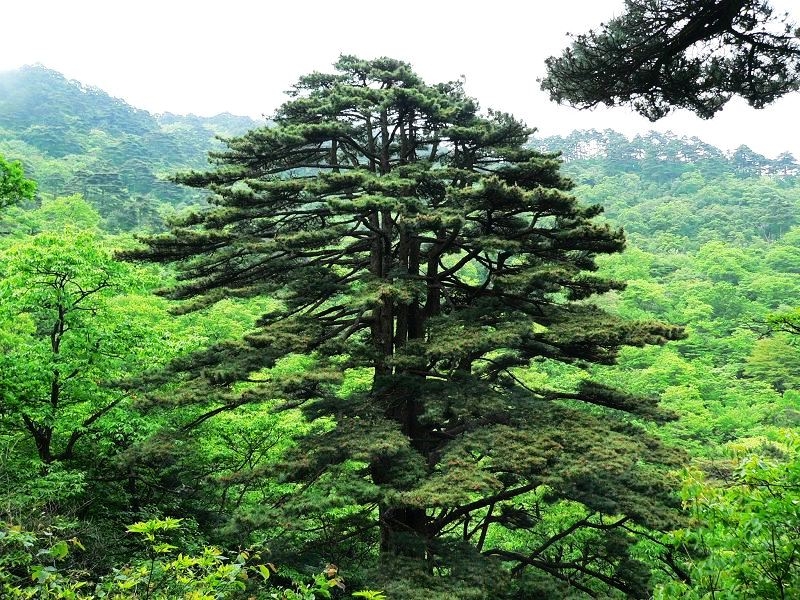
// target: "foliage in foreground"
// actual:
[[31, 567], [680, 53], [745, 541]]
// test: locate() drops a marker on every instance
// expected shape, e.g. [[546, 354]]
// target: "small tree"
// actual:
[[417, 246], [71, 323], [13, 184]]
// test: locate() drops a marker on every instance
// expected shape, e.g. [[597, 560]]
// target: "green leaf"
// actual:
[[59, 550]]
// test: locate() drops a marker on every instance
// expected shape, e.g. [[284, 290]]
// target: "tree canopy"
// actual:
[[680, 53], [69, 327], [13, 184], [422, 255]]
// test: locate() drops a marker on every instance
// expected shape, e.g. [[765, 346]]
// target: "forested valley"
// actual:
[[388, 346]]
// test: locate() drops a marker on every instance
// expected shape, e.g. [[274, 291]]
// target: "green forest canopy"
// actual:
[[444, 463]]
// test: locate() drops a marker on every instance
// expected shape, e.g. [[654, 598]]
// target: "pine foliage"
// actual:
[[658, 55], [411, 237]]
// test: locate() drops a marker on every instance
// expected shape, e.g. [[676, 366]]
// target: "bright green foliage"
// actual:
[[369, 595], [54, 215], [34, 566], [746, 543], [13, 184], [776, 360], [61, 213], [73, 323], [58, 337], [787, 321], [715, 254], [76, 326], [675, 194], [29, 566], [413, 238]]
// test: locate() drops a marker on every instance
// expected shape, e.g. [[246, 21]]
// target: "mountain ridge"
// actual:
[[74, 138]]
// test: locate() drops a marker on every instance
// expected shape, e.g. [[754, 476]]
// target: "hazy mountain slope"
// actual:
[[673, 193], [77, 139]]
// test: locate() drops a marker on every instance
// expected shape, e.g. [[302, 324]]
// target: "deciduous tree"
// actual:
[[67, 330], [13, 184]]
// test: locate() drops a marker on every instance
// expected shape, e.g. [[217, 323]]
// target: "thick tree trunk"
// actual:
[[384, 142], [404, 529], [42, 437], [381, 338]]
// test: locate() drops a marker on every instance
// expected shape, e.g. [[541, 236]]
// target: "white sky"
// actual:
[[239, 56]]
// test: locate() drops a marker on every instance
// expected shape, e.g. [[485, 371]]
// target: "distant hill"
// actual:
[[674, 193], [662, 157], [72, 138]]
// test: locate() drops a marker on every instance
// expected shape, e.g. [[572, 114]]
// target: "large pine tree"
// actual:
[[424, 259], [662, 54]]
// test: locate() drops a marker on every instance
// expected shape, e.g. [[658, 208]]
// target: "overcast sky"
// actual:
[[239, 56]]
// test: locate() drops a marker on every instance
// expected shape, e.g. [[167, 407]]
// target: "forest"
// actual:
[[387, 345]]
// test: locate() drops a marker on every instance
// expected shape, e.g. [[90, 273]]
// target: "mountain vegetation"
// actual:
[[75, 139], [392, 342]]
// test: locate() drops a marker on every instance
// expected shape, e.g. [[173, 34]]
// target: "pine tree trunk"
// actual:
[[404, 529]]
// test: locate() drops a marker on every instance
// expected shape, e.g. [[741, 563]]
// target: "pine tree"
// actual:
[[658, 55], [424, 259]]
